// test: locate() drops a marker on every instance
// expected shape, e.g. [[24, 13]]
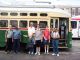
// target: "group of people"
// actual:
[[13, 37], [36, 37]]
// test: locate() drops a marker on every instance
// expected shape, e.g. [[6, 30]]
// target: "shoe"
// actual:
[[36, 53], [47, 53], [29, 52], [32, 53], [53, 54], [57, 54]]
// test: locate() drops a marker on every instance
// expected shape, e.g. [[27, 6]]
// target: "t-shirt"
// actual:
[[16, 34], [31, 30], [46, 34], [38, 35], [9, 33], [54, 35]]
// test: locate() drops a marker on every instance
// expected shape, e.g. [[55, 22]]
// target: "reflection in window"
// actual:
[[4, 13], [23, 14], [34, 23], [3, 23], [23, 24], [13, 14], [73, 24], [43, 24], [14, 23]]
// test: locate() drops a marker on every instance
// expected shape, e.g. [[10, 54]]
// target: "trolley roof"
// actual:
[[45, 10]]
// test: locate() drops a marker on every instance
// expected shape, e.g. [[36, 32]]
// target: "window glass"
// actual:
[[3, 23], [4, 13], [14, 23], [34, 23], [43, 14], [23, 14], [33, 14], [56, 23], [13, 14], [73, 24], [23, 24], [43, 24]]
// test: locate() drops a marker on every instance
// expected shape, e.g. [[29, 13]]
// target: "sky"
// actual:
[[27, 2]]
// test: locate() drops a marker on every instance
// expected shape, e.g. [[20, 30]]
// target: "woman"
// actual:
[[46, 39], [55, 41]]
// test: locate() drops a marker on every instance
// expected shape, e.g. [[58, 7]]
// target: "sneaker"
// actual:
[[47, 53], [29, 52], [57, 54], [53, 54], [36, 53], [32, 53]]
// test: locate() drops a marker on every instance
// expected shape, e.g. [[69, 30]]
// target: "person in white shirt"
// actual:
[[8, 36], [55, 41], [31, 32]]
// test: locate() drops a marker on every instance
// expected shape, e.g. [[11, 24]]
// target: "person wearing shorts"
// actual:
[[38, 38], [46, 39]]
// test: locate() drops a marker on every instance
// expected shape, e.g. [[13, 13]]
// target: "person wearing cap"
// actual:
[[16, 39], [55, 41], [31, 32], [8, 36]]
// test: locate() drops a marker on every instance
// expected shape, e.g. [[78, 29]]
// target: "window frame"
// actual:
[[4, 14], [13, 14], [23, 14], [20, 24], [4, 26], [14, 24], [45, 25]]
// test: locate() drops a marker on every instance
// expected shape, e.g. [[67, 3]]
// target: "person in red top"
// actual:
[[46, 40]]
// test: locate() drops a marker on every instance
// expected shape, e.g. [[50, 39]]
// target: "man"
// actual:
[[38, 39], [16, 39], [31, 32], [8, 37]]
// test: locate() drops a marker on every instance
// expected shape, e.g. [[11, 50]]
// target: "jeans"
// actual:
[[16, 45], [31, 43], [55, 46]]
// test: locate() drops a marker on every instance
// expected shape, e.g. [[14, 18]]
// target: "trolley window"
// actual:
[[34, 23], [73, 24], [14, 23], [4, 13], [13, 14], [3, 23], [23, 24], [43, 24], [23, 14], [43, 14], [56, 23], [33, 14]]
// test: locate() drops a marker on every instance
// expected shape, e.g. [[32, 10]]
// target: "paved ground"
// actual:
[[73, 54]]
